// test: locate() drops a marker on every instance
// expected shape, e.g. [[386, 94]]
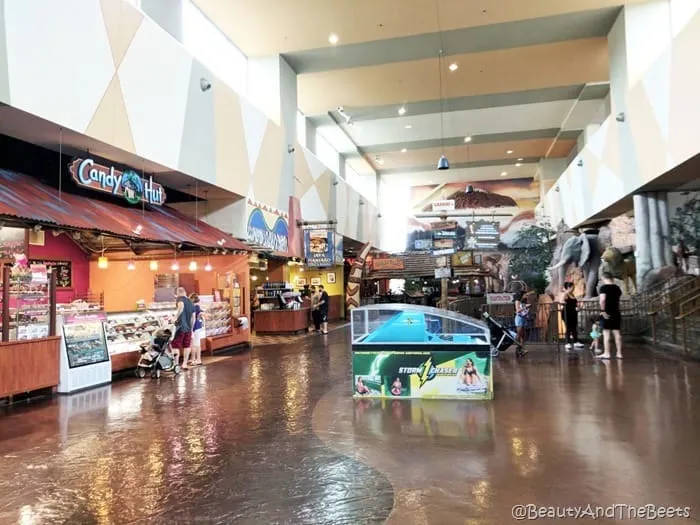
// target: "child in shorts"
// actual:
[[595, 337]]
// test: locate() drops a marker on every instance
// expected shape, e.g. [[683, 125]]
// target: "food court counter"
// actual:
[[281, 321]]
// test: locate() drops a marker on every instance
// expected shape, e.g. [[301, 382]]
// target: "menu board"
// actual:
[[63, 270], [482, 235], [85, 339]]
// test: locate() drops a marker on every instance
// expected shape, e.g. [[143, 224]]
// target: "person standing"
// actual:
[[197, 331], [522, 311], [184, 323], [570, 316], [315, 313], [323, 309], [610, 295]]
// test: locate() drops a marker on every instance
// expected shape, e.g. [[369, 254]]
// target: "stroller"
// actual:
[[502, 338], [156, 356]]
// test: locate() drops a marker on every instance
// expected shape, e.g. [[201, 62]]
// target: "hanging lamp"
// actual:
[[443, 163]]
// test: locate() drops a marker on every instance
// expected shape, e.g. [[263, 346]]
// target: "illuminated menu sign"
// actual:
[[482, 235]]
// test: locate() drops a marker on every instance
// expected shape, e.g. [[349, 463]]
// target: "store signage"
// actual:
[[127, 184], [448, 251], [443, 273], [441, 262], [499, 298], [444, 225], [443, 244], [444, 205], [482, 235], [463, 259], [389, 263], [444, 234], [423, 244], [319, 248], [275, 238]]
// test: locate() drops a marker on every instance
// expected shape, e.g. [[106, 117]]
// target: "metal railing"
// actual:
[[690, 318], [668, 308]]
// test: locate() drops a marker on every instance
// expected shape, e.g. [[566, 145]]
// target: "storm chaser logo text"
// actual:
[[427, 371]]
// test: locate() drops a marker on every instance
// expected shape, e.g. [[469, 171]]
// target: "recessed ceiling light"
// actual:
[[333, 39], [454, 66], [467, 139], [404, 150], [402, 111], [408, 126], [509, 152], [518, 165], [503, 174]]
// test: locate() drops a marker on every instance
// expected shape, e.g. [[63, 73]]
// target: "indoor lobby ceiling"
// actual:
[[520, 78]]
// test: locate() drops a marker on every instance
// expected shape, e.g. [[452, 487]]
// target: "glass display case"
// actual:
[[84, 339], [26, 306], [217, 317], [127, 330], [412, 351]]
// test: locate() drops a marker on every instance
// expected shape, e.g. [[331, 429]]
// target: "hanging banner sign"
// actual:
[[127, 184], [319, 247]]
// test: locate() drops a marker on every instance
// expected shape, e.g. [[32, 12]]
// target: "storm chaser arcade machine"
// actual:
[[410, 351]]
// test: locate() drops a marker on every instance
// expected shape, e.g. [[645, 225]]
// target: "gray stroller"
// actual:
[[156, 357]]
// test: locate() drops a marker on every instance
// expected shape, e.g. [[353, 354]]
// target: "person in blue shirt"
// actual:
[[197, 332]]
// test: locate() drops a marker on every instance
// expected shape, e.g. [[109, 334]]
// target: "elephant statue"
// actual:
[[622, 267], [583, 250]]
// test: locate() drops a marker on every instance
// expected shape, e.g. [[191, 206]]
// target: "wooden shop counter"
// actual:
[[281, 321], [29, 365]]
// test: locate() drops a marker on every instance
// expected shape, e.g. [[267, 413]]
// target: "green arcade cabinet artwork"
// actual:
[[408, 351]]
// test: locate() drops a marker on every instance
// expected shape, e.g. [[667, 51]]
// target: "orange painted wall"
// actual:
[[122, 288]]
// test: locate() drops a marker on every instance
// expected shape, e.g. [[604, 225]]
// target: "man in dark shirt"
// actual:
[[184, 324], [323, 309], [610, 295]]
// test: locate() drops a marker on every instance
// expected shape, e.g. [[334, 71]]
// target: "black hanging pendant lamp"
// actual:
[[443, 163]]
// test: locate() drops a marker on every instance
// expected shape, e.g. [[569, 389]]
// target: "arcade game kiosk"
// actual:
[[411, 351]]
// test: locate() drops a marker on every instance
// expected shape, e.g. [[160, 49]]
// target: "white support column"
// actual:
[[643, 252], [664, 220], [655, 238]]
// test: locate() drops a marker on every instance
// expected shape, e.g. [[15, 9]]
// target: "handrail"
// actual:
[[691, 312], [661, 287], [683, 297], [672, 289], [688, 301]]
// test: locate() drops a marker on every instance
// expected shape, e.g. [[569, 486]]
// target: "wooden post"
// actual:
[[52, 303], [444, 283], [5, 304]]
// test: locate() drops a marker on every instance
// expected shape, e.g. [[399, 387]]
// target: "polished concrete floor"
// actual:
[[272, 436]]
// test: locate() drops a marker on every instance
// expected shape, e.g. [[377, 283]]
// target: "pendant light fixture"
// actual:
[[131, 266], [153, 265], [102, 261], [175, 267], [443, 163], [193, 266], [208, 267]]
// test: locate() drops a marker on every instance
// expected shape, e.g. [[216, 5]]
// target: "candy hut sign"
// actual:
[[127, 184]]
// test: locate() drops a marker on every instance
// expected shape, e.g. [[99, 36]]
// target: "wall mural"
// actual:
[[267, 227], [514, 199]]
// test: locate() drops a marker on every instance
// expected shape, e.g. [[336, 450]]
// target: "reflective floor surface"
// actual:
[[273, 436]]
